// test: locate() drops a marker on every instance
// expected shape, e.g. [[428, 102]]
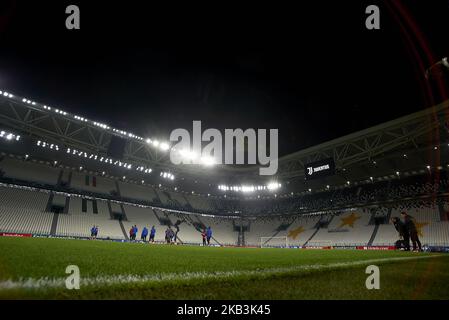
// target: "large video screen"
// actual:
[[320, 169]]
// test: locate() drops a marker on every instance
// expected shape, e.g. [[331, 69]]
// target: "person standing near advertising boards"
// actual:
[[411, 228], [208, 235], [203, 235], [404, 236], [152, 234]]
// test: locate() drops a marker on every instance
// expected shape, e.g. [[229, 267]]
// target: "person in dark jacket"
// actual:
[[411, 228], [203, 235], [168, 236], [403, 232], [131, 233], [152, 234]]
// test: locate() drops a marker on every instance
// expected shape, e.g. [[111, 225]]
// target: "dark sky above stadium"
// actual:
[[311, 70]]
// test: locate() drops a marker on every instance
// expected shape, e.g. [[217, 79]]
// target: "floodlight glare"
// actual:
[[208, 161], [273, 186], [164, 146]]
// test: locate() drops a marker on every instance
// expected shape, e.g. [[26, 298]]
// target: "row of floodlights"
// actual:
[[47, 145], [144, 169], [6, 94], [163, 146], [82, 119], [58, 111], [250, 188], [9, 136], [92, 156], [167, 175]]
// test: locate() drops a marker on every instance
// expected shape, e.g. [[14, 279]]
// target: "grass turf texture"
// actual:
[[243, 278]]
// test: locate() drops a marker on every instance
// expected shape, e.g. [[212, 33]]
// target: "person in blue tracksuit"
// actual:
[[208, 234], [135, 232], [152, 234], [144, 235]]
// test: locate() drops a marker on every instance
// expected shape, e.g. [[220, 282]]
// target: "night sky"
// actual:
[[311, 70]]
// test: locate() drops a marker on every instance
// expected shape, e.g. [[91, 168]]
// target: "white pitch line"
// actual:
[[47, 283]]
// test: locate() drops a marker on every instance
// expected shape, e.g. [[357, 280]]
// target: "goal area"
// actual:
[[274, 242]]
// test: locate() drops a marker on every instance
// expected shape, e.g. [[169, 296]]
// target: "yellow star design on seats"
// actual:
[[349, 220], [295, 232], [419, 226]]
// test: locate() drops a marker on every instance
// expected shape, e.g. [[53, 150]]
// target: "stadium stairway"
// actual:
[[122, 227], [318, 228], [313, 235], [124, 216], [373, 235], [49, 202], [54, 224], [376, 227], [241, 233]]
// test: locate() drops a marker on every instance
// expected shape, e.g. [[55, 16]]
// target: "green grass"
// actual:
[[23, 258]]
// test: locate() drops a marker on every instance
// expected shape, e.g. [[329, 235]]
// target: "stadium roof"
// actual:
[[399, 145]]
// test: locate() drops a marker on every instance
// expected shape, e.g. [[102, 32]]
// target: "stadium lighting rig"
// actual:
[[167, 175], [6, 94], [107, 160], [144, 169], [47, 145], [250, 188], [158, 145], [92, 156], [9, 136]]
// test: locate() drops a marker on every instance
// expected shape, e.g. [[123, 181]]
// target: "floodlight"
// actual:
[[273, 186], [164, 146]]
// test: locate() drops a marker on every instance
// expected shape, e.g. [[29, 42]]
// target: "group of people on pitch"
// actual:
[[170, 236], [406, 228], [206, 234], [143, 236]]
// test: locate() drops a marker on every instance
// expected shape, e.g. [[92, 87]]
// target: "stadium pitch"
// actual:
[[36, 268]]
